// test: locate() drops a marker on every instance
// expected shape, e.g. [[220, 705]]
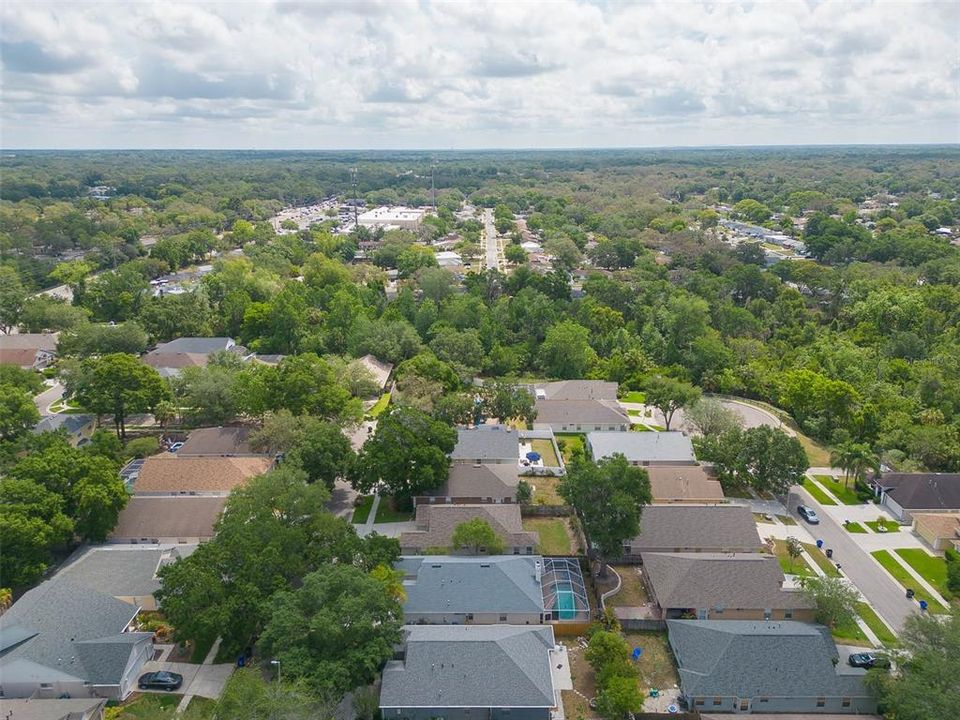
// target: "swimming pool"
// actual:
[[566, 604]]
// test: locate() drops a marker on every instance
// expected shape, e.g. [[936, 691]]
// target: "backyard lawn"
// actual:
[[554, 537], [387, 513], [903, 577], [890, 525], [656, 666], [818, 494], [846, 495], [545, 489], [570, 443], [855, 528], [634, 396], [632, 592], [547, 453], [828, 567], [931, 568], [362, 509], [879, 627]]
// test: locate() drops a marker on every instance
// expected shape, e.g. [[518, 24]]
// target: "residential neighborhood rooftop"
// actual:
[[168, 473], [579, 411], [683, 483], [577, 390], [467, 666], [146, 517], [675, 528], [922, 491], [643, 447], [480, 481], [120, 570], [487, 443], [226, 441], [436, 523], [70, 422], [51, 709], [21, 348]]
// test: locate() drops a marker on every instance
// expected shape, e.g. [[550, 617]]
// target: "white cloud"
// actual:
[[404, 73]]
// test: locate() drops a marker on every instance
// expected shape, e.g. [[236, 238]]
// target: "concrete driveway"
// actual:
[[884, 594], [203, 680]]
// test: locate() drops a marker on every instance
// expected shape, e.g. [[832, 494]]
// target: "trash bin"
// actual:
[[910, 593], [923, 605], [829, 552], [820, 544]]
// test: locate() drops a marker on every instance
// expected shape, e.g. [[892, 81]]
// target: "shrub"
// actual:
[[142, 447]]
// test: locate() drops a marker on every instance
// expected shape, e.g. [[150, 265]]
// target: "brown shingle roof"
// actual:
[[688, 482], [22, 349], [175, 360], [472, 481], [157, 517], [217, 441], [172, 474], [436, 524], [702, 527], [943, 525]]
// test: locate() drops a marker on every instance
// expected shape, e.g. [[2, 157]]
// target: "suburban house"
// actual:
[[30, 351], [486, 444], [169, 474], [435, 525], [517, 590], [645, 449], [939, 530], [576, 390], [742, 666], [64, 638], [218, 441], [457, 672], [379, 369], [156, 519], [578, 416], [683, 484], [904, 494], [717, 586], [694, 528], [126, 573], [53, 709], [171, 357], [496, 483], [76, 427]]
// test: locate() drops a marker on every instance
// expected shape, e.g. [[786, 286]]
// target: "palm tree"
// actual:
[[854, 459], [6, 599]]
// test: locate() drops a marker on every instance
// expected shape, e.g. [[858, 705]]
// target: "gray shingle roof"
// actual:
[[923, 491], [504, 583], [579, 411], [720, 580], [643, 446], [745, 659], [471, 666], [487, 443], [473, 481], [69, 422], [120, 570], [436, 523], [78, 631], [200, 345], [217, 441], [664, 527], [579, 390]]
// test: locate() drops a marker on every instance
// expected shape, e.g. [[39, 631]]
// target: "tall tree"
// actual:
[[566, 352], [834, 599], [669, 395], [477, 536], [12, 297], [17, 412], [609, 496], [507, 401], [855, 459]]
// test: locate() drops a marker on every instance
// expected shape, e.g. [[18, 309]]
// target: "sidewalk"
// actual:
[[916, 576]]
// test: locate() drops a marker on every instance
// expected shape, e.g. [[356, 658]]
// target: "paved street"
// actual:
[[884, 594], [49, 396], [490, 234]]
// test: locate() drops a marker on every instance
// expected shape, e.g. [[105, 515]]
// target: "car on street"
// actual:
[[160, 680], [808, 514], [868, 660], [176, 446]]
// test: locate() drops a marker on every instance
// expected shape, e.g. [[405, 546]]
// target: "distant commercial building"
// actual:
[[392, 217]]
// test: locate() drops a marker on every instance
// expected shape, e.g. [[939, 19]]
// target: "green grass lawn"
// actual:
[[788, 564], [571, 441], [849, 633], [554, 539], [149, 706], [362, 510], [786, 520], [634, 396], [379, 406], [817, 455], [818, 494], [656, 667], [931, 568], [829, 569], [890, 525], [855, 528], [547, 453], [901, 575], [387, 513], [738, 492], [879, 627], [846, 495]]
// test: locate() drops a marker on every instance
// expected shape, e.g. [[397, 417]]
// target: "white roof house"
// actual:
[[643, 448], [401, 217]]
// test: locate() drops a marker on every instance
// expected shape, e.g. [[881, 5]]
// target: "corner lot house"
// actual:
[[182, 520], [683, 484], [576, 416], [171, 357], [645, 449], [694, 528], [66, 639], [168, 474], [30, 351], [487, 444], [218, 441], [456, 672], [76, 427], [496, 483], [517, 590], [435, 525], [714, 586], [764, 667], [907, 493]]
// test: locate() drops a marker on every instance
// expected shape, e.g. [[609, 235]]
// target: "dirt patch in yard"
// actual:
[[656, 667], [576, 702], [632, 593]]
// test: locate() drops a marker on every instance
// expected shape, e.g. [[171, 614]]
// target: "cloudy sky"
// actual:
[[468, 74]]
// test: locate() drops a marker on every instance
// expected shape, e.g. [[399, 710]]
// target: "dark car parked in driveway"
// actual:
[[160, 680], [868, 660], [808, 514]]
